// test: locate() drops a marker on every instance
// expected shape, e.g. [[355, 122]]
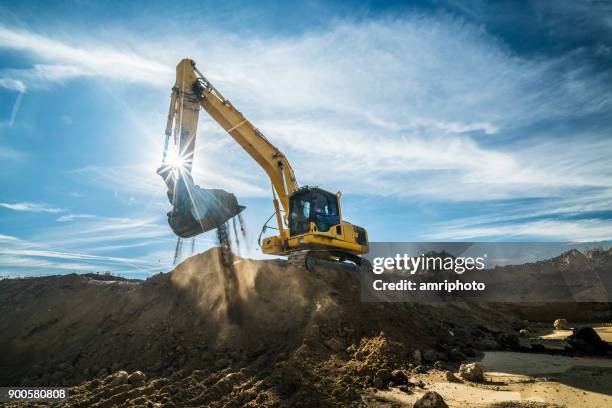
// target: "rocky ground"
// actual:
[[251, 333]]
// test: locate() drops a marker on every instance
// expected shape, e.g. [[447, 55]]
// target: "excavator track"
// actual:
[[299, 259], [311, 258]]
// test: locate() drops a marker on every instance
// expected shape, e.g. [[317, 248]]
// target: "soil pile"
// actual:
[[219, 333]]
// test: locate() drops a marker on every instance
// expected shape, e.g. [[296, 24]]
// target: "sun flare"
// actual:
[[176, 161]]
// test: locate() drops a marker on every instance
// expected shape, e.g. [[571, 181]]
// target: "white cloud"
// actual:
[[67, 247], [8, 238], [61, 61], [68, 256], [31, 207], [9, 263], [12, 84], [554, 230], [73, 217]]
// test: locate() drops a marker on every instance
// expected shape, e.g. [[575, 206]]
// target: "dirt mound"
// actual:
[[254, 332]]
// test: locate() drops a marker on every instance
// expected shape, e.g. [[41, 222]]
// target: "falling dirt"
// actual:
[[178, 250], [230, 281], [220, 330]]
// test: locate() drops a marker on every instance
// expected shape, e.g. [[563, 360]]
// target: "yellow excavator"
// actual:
[[309, 219]]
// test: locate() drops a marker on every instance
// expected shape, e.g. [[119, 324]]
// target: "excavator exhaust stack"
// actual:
[[194, 209]]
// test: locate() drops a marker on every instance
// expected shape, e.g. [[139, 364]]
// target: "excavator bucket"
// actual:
[[196, 210]]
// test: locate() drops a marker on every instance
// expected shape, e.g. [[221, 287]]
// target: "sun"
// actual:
[[176, 161]]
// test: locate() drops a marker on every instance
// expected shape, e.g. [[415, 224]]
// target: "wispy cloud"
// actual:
[[62, 61], [8, 238], [68, 247], [69, 256], [31, 207], [553, 230], [12, 84], [33, 265], [73, 217]]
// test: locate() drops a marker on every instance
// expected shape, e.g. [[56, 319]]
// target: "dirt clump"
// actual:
[[471, 372], [430, 399]]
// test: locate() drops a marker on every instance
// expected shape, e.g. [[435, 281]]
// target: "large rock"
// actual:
[[119, 378], [450, 377], [471, 372], [399, 377], [561, 324], [586, 340], [137, 378], [381, 378], [430, 399]]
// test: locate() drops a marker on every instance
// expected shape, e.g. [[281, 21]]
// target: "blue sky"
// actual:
[[437, 121]]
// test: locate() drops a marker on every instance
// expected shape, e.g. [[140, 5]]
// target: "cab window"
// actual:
[[325, 210], [299, 213]]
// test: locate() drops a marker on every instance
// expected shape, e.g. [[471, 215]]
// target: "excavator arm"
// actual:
[[272, 160], [193, 91]]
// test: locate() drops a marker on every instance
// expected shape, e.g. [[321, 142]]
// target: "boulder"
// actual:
[[399, 377], [586, 340], [561, 324], [119, 378], [471, 372], [383, 374], [137, 378], [450, 377], [430, 399]]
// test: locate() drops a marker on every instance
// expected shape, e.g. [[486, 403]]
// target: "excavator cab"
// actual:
[[312, 205]]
